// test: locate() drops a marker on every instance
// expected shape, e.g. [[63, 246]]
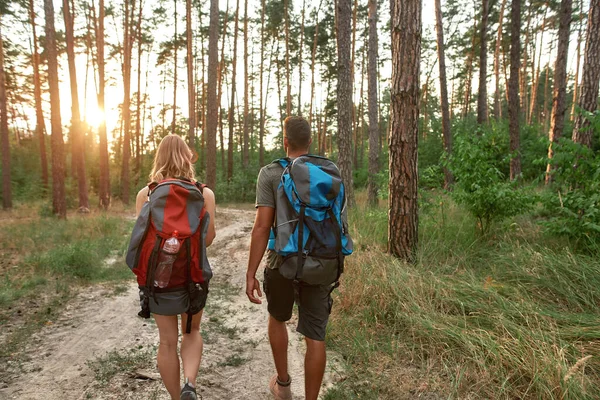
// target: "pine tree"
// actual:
[[404, 129], [344, 96], [5, 145], [559, 105], [211, 100], [59, 204], [588, 98]]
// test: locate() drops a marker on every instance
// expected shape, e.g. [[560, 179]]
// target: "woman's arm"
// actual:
[[141, 198], [209, 203]]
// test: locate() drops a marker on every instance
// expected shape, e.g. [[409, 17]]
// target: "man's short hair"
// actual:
[[297, 132]]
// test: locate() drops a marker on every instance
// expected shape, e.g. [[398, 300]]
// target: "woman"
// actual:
[[174, 160]]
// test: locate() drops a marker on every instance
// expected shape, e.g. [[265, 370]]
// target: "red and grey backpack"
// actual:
[[173, 205]]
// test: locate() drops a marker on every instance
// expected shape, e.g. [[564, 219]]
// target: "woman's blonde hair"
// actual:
[[173, 159]]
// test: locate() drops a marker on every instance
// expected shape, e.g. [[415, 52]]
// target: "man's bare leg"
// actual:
[[278, 337], [314, 367]]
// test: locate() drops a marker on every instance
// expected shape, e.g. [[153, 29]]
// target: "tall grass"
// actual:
[[41, 252], [508, 315]]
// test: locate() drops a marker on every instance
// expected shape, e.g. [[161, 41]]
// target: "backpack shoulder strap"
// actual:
[[284, 161], [200, 186]]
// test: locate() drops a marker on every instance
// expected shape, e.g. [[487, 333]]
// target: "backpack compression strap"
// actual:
[[301, 254]]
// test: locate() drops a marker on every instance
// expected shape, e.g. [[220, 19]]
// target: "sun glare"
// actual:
[[94, 117]]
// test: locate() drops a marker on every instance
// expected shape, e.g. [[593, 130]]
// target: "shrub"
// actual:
[[479, 163], [573, 203]]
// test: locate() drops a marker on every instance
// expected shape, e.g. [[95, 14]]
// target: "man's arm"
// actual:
[[258, 244]]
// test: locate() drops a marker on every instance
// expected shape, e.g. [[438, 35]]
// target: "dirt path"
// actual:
[[98, 349]]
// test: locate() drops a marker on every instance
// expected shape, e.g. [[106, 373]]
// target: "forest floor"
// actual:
[[95, 347]]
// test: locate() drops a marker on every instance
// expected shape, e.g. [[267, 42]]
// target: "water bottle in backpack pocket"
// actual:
[[166, 258]]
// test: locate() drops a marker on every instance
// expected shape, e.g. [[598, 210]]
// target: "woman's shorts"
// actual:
[[177, 302]]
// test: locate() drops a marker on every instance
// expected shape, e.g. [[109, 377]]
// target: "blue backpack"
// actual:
[[311, 227]]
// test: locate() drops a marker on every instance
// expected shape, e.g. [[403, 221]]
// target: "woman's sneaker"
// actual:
[[188, 392], [280, 390]]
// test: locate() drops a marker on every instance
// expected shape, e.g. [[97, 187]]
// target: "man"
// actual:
[[314, 301]]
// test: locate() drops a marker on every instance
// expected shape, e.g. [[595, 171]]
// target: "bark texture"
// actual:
[[6, 186], [446, 132], [104, 185], [588, 98], [513, 90], [559, 105], [190, 76], [40, 125], [230, 143], [128, 39], [404, 129], [212, 108], [482, 112], [497, 105], [261, 132], [344, 95], [245, 151], [77, 147], [373, 105], [59, 204]]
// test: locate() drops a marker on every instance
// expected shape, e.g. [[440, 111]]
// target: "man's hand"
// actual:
[[253, 285]]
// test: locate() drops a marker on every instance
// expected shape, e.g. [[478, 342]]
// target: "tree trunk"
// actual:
[[190, 76], [288, 102], [446, 133], [139, 133], [523, 80], [300, 59], [513, 90], [536, 79], [76, 132], [559, 105], [373, 105], [232, 108], [40, 125], [482, 112], [312, 65], [211, 101], [261, 133], [220, 88], [245, 152], [126, 111], [588, 98], [59, 204], [469, 82], [359, 110], [497, 105], [578, 61], [547, 88], [6, 186], [278, 76], [353, 75], [104, 184], [344, 96], [175, 48], [404, 132]]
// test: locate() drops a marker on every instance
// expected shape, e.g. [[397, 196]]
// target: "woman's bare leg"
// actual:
[[168, 360], [191, 348]]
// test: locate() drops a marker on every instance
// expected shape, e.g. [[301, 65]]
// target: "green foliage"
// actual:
[[479, 163], [68, 251], [573, 202], [508, 317]]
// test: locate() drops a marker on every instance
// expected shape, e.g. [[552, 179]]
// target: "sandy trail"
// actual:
[[236, 361]]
